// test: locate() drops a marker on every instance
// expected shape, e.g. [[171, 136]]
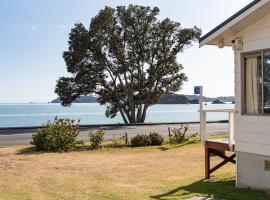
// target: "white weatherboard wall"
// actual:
[[252, 133], [250, 173]]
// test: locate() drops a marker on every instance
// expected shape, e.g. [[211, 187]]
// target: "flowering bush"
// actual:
[[179, 134], [96, 138], [56, 135]]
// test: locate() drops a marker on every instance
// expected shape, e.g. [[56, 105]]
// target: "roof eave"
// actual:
[[211, 37]]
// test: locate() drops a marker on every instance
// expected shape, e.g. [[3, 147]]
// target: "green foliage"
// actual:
[[119, 141], [140, 140], [193, 139], [178, 135], [127, 57], [40, 140], [155, 139], [96, 138], [58, 135]]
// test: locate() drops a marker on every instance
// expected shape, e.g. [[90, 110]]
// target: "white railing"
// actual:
[[231, 124]]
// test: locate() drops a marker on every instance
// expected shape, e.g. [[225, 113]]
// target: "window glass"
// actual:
[[266, 81], [253, 84]]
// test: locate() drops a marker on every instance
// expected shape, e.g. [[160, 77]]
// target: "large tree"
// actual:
[[127, 58]]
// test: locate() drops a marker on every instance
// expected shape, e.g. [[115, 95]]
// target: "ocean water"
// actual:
[[23, 115]]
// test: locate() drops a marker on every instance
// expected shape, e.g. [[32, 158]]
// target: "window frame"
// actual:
[[243, 81]]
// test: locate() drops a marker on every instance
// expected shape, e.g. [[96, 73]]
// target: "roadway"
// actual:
[[22, 136]]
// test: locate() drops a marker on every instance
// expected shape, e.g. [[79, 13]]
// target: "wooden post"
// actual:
[[203, 126], [207, 163], [126, 139], [202, 118], [231, 129], [169, 130], [201, 98]]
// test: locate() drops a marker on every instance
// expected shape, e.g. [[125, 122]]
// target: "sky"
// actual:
[[34, 35]]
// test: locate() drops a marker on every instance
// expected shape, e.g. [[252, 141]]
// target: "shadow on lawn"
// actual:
[[28, 151], [169, 146], [166, 148], [217, 189]]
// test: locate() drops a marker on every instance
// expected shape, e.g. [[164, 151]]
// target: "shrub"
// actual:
[[140, 140], [58, 135], [119, 141], [178, 135], [96, 138], [155, 139]]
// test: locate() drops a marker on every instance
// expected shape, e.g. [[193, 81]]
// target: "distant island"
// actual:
[[81, 99], [165, 99], [173, 99]]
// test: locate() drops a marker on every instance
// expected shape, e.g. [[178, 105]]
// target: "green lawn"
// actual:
[[166, 172]]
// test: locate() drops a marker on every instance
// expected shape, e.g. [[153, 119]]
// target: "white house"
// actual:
[[248, 33]]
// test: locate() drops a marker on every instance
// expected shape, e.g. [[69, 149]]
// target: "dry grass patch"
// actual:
[[129, 173]]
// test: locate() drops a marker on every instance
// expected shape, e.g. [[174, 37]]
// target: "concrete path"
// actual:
[[23, 137]]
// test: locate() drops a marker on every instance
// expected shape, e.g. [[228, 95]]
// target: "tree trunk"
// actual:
[[127, 115], [123, 116], [132, 108], [144, 113], [139, 113]]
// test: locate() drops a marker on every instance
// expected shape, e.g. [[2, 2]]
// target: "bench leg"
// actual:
[[226, 159], [207, 163]]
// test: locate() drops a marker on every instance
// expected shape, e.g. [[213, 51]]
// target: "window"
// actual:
[[266, 81], [253, 75], [256, 80]]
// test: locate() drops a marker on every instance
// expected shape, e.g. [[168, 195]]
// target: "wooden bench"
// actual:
[[217, 147]]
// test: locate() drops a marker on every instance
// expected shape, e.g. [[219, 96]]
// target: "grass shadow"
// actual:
[[168, 146], [77, 148], [162, 148], [217, 189], [28, 151], [32, 151]]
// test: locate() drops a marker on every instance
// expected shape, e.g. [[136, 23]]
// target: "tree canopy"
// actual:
[[128, 58]]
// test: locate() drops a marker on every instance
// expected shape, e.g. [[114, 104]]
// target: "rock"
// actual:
[[217, 102]]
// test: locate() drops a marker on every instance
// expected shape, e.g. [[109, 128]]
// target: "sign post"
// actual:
[[199, 91]]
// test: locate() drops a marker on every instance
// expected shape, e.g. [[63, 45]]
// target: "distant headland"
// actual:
[[165, 99]]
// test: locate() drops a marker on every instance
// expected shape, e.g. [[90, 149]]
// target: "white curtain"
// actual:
[[252, 86]]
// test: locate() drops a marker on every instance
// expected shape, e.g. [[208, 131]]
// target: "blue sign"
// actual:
[[197, 89]]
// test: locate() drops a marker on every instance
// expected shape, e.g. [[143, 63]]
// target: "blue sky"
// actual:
[[34, 34]]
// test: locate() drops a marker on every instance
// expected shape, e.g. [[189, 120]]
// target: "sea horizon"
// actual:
[[36, 114]]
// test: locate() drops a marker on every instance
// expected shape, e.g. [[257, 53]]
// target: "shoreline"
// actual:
[[86, 126], [9, 137]]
